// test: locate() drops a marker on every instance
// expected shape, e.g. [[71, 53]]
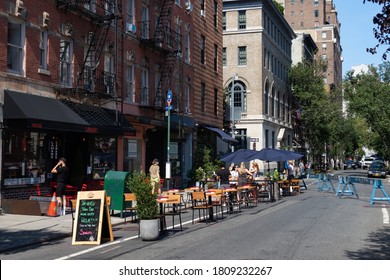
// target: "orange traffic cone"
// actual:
[[52, 211]]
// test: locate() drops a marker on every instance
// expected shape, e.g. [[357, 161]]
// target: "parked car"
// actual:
[[366, 162], [349, 164], [376, 170]]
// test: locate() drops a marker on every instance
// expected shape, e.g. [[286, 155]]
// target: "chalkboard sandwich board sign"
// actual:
[[92, 220]]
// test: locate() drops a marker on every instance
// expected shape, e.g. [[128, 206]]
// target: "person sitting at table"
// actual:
[[243, 173], [290, 170], [255, 170], [233, 172], [223, 177]]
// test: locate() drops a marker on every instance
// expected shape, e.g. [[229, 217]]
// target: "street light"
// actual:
[[234, 78]]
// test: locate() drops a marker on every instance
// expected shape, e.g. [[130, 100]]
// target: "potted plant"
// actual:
[[147, 206]]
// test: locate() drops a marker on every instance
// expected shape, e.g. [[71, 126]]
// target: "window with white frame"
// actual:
[[316, 3], [130, 16], [239, 96], [15, 45], [324, 46], [66, 53], [130, 83], [323, 34], [43, 44], [223, 20]]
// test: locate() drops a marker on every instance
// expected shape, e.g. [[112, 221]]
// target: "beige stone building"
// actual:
[[256, 60], [319, 19]]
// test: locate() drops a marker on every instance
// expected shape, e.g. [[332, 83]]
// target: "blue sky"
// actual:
[[356, 32]]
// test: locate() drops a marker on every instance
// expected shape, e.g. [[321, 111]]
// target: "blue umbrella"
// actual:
[[268, 154], [241, 155]]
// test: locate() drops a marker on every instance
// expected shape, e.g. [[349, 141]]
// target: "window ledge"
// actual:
[[43, 71]]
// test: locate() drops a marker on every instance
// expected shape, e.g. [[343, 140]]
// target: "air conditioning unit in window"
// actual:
[[130, 27], [188, 7]]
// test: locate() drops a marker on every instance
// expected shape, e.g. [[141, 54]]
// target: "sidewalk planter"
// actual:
[[147, 206], [149, 229]]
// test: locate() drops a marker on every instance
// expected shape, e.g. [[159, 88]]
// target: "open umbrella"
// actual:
[[241, 155], [268, 154]]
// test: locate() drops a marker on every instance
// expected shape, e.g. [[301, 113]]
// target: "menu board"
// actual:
[[91, 219]]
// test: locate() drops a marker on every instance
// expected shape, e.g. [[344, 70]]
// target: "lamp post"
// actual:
[[234, 78], [168, 163]]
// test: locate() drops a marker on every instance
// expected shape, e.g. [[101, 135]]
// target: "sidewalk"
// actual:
[[18, 231]]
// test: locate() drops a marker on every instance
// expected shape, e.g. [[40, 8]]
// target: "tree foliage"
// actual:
[[317, 111], [382, 31], [368, 96]]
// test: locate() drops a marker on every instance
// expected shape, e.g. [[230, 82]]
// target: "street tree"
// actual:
[[368, 97], [314, 104], [382, 29]]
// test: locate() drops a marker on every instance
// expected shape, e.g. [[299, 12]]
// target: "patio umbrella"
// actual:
[[241, 155], [268, 154]]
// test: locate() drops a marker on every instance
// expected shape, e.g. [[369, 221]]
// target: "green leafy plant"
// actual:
[[139, 184]]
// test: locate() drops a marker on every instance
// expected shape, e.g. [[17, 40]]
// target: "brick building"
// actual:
[[88, 80]]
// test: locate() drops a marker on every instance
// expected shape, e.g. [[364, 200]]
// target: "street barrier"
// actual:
[[378, 186], [325, 183], [348, 188]]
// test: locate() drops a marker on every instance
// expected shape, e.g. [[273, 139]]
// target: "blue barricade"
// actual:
[[346, 187], [325, 183], [378, 186]]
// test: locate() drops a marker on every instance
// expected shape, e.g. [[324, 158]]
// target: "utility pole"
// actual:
[[168, 163]]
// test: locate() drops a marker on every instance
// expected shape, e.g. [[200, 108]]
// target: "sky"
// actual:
[[356, 32]]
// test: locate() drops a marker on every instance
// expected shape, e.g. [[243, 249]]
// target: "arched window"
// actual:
[[239, 96], [266, 94], [278, 105]]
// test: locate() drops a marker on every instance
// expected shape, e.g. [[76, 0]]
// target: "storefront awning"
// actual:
[[103, 120], [223, 135], [36, 111]]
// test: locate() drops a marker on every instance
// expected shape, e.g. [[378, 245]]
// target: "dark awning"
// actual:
[[224, 136], [102, 119], [35, 111]]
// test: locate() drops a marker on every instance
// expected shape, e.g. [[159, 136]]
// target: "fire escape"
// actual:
[[89, 80], [167, 42]]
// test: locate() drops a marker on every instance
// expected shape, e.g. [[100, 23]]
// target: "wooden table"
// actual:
[[162, 200], [231, 192]]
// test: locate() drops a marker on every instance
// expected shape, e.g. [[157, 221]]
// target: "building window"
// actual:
[[130, 82], [65, 62], [302, 24], [324, 57], [273, 139], [324, 46], [168, 33], [223, 20], [266, 95], [109, 8], [202, 49], [43, 43], [292, 13], [292, 2], [187, 45], [202, 8], [216, 102], [224, 57], [241, 55], [273, 102], [91, 6], [239, 100], [241, 19], [316, 3], [109, 76], [15, 47], [278, 106], [215, 58], [202, 97], [178, 36], [178, 2], [145, 22], [215, 13], [266, 136], [316, 13], [144, 87], [130, 16], [324, 35], [316, 23], [264, 58], [187, 109]]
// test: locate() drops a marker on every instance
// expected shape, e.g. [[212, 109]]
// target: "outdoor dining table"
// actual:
[[209, 195], [231, 193], [163, 200]]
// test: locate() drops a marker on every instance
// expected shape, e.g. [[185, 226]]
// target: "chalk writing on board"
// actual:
[[88, 220]]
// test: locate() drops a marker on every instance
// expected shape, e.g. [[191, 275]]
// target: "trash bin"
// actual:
[[114, 185]]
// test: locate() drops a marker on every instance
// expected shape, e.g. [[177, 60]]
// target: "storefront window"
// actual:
[[175, 158], [104, 156], [24, 161], [132, 155]]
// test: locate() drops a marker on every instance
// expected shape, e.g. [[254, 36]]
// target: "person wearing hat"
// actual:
[[154, 172]]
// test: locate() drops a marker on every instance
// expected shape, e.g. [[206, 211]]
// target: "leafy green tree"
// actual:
[[368, 97], [382, 31], [316, 108]]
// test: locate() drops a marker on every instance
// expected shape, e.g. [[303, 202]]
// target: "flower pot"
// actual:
[[149, 229]]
